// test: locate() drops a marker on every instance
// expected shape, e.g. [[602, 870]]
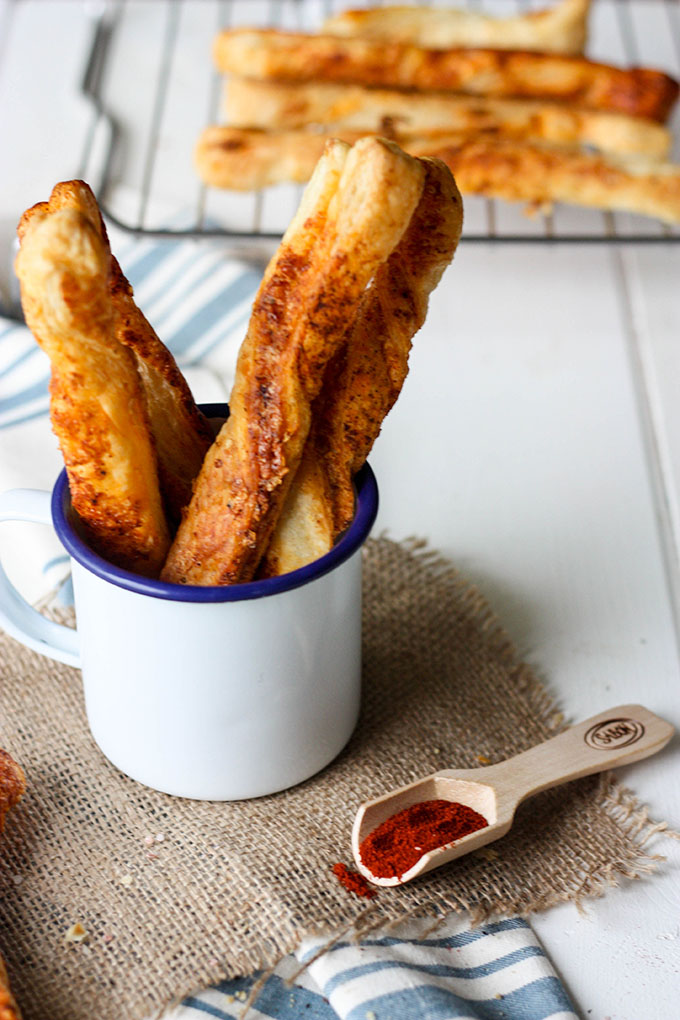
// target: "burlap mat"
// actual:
[[177, 894]]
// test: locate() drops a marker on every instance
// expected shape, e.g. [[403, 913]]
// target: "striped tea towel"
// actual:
[[199, 303], [496, 972]]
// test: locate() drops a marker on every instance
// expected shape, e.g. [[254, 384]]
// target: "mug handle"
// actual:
[[17, 617]]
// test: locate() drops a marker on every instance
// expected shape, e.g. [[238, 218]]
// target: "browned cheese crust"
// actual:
[[364, 379], [181, 434], [351, 218], [97, 404], [558, 29], [266, 53], [12, 787], [266, 104], [498, 168]]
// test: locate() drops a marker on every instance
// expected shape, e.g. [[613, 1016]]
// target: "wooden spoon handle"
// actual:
[[615, 737]]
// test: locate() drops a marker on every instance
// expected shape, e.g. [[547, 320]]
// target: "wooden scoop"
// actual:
[[616, 737]]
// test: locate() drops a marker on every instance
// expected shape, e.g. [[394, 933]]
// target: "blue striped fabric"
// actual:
[[199, 304], [495, 972]]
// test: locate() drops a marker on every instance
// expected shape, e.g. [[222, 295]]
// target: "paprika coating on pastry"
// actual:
[[561, 28], [495, 167], [365, 377], [288, 56], [12, 788], [97, 404], [395, 113], [352, 216]]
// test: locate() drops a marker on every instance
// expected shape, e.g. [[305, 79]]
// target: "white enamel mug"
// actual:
[[214, 693]]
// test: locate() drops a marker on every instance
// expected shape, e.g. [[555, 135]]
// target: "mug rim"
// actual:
[[353, 538]]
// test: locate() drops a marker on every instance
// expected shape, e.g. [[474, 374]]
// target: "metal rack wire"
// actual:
[[246, 225]]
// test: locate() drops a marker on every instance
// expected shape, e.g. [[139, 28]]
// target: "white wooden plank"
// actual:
[[540, 468], [43, 118], [651, 277], [516, 448]]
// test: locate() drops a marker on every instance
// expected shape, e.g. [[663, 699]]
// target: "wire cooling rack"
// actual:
[[151, 102]]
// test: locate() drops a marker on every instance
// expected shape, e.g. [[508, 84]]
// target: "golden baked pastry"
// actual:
[[352, 215], [558, 29], [499, 168], [543, 174], [244, 159], [180, 432], [288, 56], [97, 403], [365, 378], [12, 787], [390, 112]]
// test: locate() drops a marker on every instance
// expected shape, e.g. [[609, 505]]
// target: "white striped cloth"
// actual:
[[495, 972], [199, 303]]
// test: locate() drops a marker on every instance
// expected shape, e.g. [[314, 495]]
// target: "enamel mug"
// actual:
[[214, 693]]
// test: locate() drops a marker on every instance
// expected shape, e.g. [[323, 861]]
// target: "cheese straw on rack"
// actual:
[[558, 29], [242, 158], [338, 108], [289, 56]]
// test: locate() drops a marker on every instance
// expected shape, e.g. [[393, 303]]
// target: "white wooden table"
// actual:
[[536, 442]]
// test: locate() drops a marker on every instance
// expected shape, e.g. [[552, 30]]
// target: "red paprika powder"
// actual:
[[353, 881], [400, 841]]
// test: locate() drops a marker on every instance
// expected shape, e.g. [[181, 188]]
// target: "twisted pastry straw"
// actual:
[[365, 378], [181, 434], [97, 404], [353, 214], [132, 437]]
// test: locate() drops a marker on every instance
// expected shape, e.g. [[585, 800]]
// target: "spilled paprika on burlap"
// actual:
[[353, 882]]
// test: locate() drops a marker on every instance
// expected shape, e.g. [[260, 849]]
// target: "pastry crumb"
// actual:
[[76, 933]]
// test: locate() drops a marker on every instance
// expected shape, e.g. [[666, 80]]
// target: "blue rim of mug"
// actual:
[[354, 537]]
